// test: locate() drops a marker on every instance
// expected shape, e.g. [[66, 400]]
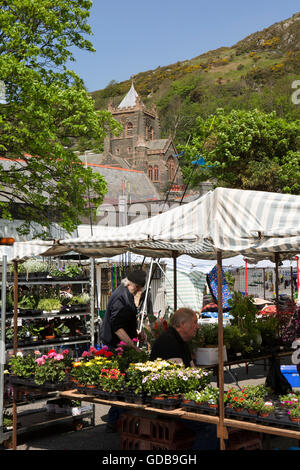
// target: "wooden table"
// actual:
[[180, 413]]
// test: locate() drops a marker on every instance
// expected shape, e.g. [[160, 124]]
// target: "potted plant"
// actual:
[[22, 365], [235, 399], [50, 369], [49, 305], [112, 380], [205, 345], [126, 355], [209, 395], [35, 331], [68, 271], [136, 373], [289, 400], [244, 313], [35, 269], [263, 408], [62, 331], [80, 302], [294, 414]]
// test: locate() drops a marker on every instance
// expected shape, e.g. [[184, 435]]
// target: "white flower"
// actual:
[[19, 354]]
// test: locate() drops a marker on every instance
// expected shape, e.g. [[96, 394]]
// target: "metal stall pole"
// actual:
[[2, 343], [175, 279], [92, 300], [15, 349], [276, 278], [165, 276], [222, 431], [292, 284], [146, 297]]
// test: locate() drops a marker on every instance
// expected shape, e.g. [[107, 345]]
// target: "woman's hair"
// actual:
[[125, 282], [181, 315]]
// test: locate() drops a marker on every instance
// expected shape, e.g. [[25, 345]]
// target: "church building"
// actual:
[[140, 145]]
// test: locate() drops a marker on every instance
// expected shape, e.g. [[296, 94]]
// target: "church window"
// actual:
[[171, 168], [156, 173], [150, 172], [149, 133], [129, 129]]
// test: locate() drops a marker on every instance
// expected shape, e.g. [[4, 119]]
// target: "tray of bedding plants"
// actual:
[[164, 402]]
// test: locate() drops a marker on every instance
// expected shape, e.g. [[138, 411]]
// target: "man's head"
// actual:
[[136, 281], [185, 321]]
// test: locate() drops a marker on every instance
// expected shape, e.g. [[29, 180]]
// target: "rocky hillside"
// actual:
[[257, 72]]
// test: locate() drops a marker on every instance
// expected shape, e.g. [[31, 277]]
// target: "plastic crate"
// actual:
[[129, 442], [162, 430], [291, 374], [244, 440]]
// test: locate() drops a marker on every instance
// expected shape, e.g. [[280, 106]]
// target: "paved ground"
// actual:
[[95, 438]]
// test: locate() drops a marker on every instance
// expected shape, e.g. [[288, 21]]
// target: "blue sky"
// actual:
[[132, 36]]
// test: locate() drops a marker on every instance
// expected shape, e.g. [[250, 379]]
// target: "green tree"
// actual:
[[247, 150], [47, 114]]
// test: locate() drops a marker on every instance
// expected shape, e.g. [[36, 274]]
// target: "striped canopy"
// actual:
[[252, 223]]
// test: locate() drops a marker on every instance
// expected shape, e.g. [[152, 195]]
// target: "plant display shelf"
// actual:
[[182, 413], [51, 344], [49, 281], [39, 419], [77, 310], [46, 315]]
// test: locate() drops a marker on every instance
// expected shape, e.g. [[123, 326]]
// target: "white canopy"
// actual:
[[252, 223]]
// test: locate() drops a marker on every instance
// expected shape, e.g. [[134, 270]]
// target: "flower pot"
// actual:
[[294, 419], [50, 337], [209, 356], [213, 405], [264, 414], [252, 412]]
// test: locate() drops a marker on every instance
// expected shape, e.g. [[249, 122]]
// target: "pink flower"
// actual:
[[37, 353], [135, 340], [92, 349], [65, 352], [105, 348], [40, 361], [59, 357], [52, 354], [122, 343], [85, 354]]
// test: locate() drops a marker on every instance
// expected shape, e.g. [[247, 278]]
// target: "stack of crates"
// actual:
[[152, 433], [244, 440]]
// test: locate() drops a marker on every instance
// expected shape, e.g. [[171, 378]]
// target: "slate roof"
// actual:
[[135, 183]]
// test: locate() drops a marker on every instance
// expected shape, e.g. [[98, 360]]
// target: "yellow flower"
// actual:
[[77, 364]]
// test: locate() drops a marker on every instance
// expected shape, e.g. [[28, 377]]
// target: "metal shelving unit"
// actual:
[[43, 419]]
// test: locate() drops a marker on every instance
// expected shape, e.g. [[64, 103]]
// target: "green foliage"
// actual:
[[249, 150], [49, 304], [47, 113], [243, 311], [22, 366]]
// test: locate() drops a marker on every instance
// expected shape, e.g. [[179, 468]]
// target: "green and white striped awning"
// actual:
[[190, 287], [252, 223]]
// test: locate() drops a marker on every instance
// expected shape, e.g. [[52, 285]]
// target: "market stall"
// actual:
[[221, 224]]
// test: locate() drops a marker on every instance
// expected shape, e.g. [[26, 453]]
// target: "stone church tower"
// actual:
[[140, 145]]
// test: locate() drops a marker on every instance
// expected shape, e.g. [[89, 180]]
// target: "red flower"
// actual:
[[108, 353]]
